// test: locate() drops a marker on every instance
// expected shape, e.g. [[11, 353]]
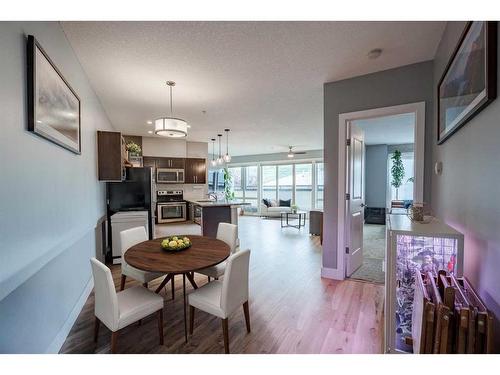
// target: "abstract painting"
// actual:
[[468, 83], [53, 106]]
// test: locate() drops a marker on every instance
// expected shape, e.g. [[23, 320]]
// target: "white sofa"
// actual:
[[273, 211]]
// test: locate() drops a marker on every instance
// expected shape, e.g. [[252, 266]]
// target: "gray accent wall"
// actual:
[[375, 175], [50, 204], [465, 195], [403, 85]]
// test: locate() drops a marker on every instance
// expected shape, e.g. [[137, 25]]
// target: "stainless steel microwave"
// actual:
[[169, 176]]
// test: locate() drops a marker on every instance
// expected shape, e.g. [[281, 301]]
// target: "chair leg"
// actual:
[[96, 329], [247, 315], [191, 319], [145, 285], [172, 281], [208, 278], [225, 331], [122, 283], [114, 341], [160, 325]]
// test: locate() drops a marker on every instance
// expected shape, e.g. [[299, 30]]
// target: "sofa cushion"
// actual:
[[285, 203], [274, 203], [266, 202], [279, 209]]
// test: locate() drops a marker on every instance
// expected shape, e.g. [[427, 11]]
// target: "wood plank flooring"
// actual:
[[292, 309]]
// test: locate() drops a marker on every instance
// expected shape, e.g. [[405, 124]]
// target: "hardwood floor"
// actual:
[[292, 309]]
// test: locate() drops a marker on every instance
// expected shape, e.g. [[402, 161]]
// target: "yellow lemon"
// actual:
[[172, 244], [174, 238]]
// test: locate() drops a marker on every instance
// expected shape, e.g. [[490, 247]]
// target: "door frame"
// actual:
[[419, 149]]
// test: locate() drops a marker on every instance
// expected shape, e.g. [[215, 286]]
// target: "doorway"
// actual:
[[372, 143]]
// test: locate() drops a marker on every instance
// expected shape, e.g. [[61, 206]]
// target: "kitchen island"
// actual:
[[209, 213]]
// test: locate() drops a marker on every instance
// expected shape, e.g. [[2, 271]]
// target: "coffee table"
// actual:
[[285, 217]]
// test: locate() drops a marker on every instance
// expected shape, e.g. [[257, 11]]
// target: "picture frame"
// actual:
[[469, 81], [54, 109]]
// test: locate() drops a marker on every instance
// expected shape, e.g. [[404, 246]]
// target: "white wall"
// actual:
[[164, 147], [51, 200]]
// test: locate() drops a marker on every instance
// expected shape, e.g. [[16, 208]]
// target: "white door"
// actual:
[[355, 201]]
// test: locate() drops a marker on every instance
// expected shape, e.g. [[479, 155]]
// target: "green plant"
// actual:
[[133, 148], [294, 207], [228, 185], [397, 171], [411, 179]]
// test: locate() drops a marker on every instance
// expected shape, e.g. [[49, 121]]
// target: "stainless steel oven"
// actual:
[[171, 212], [169, 176]]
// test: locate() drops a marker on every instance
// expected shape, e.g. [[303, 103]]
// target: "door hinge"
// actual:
[[348, 142], [347, 250], [347, 196]]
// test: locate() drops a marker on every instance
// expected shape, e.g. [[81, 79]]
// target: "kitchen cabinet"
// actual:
[[196, 171], [175, 163], [111, 156]]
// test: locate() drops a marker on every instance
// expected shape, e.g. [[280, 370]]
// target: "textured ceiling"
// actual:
[[263, 80], [388, 130]]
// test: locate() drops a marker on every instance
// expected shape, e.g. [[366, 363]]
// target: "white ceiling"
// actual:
[[388, 130], [263, 80]]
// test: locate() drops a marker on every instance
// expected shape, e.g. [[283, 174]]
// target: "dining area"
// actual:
[[214, 274]]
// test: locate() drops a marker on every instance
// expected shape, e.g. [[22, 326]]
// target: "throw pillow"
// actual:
[[285, 203], [266, 202]]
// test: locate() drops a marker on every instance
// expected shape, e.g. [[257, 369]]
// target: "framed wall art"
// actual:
[[53, 106], [469, 81]]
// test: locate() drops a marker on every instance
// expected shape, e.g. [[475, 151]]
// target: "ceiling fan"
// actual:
[[291, 153]]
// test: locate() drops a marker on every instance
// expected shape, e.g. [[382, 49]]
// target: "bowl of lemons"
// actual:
[[175, 243]]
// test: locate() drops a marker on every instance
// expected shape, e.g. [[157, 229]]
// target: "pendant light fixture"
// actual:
[[169, 126], [213, 162], [220, 160], [227, 157]]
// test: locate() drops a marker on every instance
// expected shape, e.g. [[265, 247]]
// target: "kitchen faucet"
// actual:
[[212, 196]]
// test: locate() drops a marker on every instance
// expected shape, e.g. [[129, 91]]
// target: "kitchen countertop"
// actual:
[[223, 203]]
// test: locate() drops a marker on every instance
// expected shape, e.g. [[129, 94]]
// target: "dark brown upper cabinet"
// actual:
[[175, 163], [196, 171], [111, 156]]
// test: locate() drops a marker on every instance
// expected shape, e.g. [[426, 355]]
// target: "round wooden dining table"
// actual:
[[204, 252]]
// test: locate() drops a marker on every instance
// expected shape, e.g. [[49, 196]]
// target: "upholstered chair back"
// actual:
[[229, 234], [106, 301], [235, 283], [131, 237]]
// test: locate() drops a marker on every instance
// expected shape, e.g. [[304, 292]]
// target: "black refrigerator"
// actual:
[[132, 194]]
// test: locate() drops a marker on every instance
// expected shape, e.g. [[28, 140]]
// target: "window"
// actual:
[[285, 182], [237, 183], [320, 185], [269, 182], [303, 186]]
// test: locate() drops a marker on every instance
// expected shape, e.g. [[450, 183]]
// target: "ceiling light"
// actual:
[[227, 157], [150, 122], [171, 126], [375, 53], [213, 162], [150, 132], [290, 154], [220, 160]]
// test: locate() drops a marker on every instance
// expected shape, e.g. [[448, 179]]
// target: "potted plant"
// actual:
[[133, 149], [294, 208], [397, 171]]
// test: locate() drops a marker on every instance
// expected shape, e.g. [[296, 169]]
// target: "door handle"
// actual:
[[362, 205]]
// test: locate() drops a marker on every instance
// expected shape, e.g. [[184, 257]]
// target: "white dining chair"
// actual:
[[222, 298], [129, 238], [119, 310], [229, 234]]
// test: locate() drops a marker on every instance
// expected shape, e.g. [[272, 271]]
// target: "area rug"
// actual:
[[373, 254]]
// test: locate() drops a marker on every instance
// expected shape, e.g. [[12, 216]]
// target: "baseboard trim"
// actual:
[[63, 333], [332, 273]]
